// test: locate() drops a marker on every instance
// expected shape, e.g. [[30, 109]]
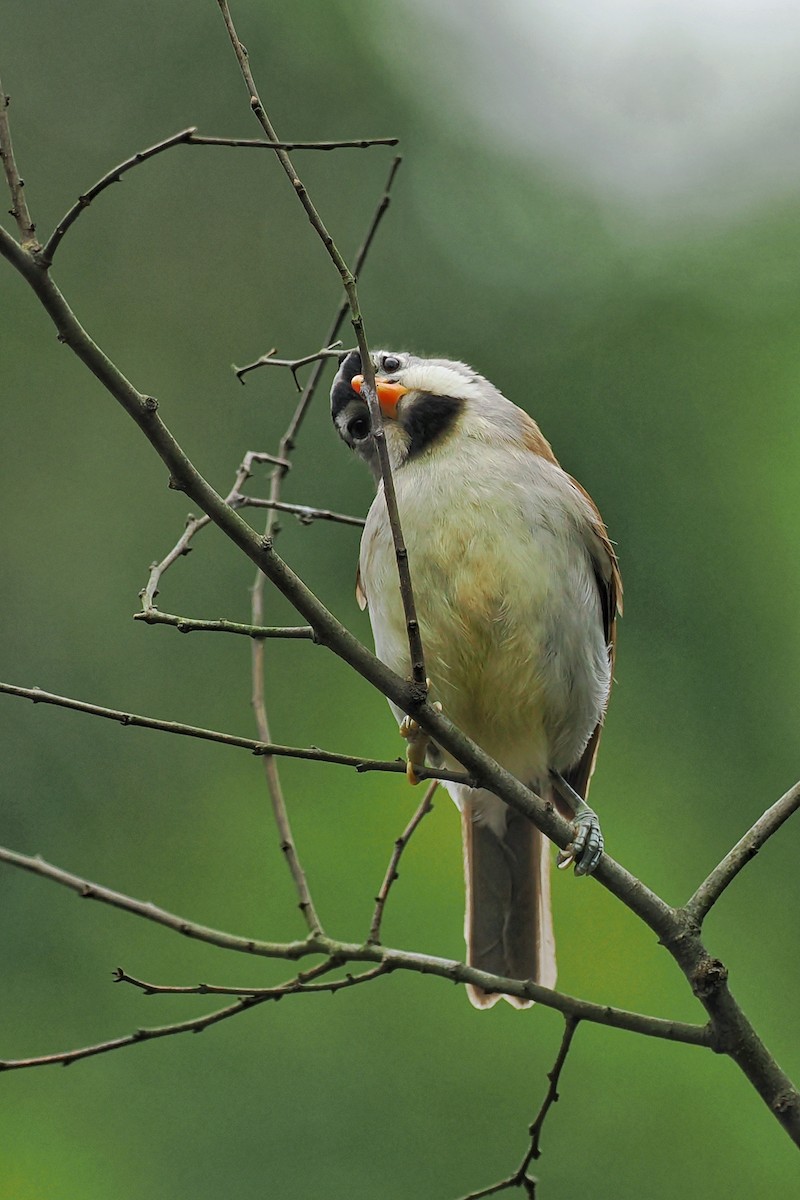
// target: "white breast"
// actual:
[[505, 591]]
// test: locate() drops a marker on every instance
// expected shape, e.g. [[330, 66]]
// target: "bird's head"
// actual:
[[423, 401]]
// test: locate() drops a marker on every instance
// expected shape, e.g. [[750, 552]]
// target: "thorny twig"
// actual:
[[302, 983], [293, 364], [16, 184], [520, 1178], [391, 875]]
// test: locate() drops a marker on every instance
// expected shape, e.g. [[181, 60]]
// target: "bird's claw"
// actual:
[[587, 848], [418, 741]]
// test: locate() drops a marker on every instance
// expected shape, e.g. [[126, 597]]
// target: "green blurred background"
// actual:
[[598, 209]]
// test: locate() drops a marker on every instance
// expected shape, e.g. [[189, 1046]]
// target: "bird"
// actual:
[[517, 589]]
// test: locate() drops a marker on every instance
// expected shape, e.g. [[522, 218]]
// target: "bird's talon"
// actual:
[[587, 848]]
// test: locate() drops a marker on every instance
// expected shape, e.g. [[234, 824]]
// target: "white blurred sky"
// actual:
[[678, 107]]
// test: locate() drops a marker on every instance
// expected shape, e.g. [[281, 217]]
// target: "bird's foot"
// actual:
[[586, 849], [418, 742]]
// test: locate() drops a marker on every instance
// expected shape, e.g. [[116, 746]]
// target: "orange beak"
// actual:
[[389, 394]]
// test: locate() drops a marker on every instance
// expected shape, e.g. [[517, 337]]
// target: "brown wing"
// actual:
[[609, 586]]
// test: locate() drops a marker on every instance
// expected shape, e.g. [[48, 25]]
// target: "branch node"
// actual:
[[708, 977]]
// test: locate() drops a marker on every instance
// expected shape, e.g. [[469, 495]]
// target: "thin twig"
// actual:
[[195, 1025], [270, 749], [248, 998], [234, 498], [304, 983], [745, 849], [154, 616], [271, 774], [261, 144], [520, 1178], [391, 871], [115, 175], [347, 952], [502, 1186], [418, 674], [185, 137], [553, 1075], [304, 513], [16, 185], [209, 989], [292, 364]]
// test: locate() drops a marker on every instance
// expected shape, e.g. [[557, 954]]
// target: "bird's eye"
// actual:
[[358, 428], [391, 363]]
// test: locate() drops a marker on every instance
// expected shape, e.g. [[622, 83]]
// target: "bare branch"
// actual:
[[553, 1075], [195, 1025], [292, 364], [248, 998], [520, 1177], [417, 656], [16, 185], [271, 775], [305, 514], [208, 989], [745, 849], [154, 616], [495, 1188], [389, 959], [309, 753], [260, 144], [194, 524], [304, 983], [113, 176], [185, 137], [391, 871]]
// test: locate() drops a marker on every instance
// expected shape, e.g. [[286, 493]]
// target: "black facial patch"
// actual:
[[341, 392], [428, 420]]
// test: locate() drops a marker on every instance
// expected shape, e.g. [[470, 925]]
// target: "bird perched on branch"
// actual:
[[517, 589]]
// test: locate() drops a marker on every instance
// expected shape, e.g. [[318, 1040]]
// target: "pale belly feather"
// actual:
[[508, 607]]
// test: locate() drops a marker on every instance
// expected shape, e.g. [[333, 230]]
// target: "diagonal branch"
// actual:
[[745, 849]]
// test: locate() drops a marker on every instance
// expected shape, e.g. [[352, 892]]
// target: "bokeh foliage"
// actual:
[[663, 365]]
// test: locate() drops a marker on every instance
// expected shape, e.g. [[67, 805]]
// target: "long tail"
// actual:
[[509, 923]]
